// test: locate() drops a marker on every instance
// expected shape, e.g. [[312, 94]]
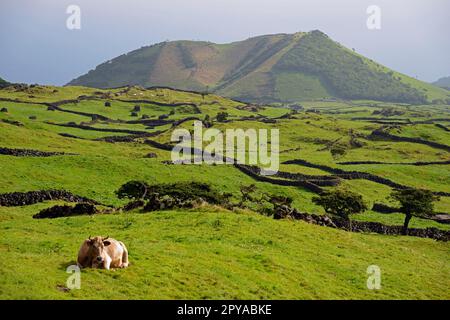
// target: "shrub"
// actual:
[[188, 191], [222, 116], [247, 193], [338, 150], [133, 190], [180, 190]]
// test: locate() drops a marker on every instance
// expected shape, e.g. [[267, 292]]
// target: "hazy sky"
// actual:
[[37, 47]]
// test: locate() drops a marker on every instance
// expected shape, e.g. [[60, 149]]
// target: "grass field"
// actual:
[[210, 252]]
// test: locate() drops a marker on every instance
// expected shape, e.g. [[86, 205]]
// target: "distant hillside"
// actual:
[[3, 83], [271, 68], [443, 83]]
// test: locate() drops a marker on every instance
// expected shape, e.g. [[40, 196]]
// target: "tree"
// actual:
[[414, 202], [341, 203]]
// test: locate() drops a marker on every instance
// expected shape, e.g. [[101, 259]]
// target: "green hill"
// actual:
[[271, 68], [443, 83]]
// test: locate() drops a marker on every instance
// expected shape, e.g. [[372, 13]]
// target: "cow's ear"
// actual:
[[106, 243]]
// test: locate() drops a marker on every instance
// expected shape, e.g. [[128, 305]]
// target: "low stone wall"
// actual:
[[129, 138], [151, 122], [282, 212], [162, 104], [80, 113], [68, 135], [349, 175], [420, 163], [382, 135], [181, 121], [85, 127], [158, 145], [30, 153], [440, 126], [254, 173], [15, 199], [323, 181]]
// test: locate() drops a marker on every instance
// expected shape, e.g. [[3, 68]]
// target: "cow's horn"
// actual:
[[106, 238]]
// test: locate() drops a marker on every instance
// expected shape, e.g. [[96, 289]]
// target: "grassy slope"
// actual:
[[245, 255]]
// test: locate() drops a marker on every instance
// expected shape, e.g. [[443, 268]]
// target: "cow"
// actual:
[[104, 253]]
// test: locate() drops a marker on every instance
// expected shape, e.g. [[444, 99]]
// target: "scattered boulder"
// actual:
[[145, 116], [3, 110], [134, 114], [137, 108], [15, 199], [107, 104], [32, 117]]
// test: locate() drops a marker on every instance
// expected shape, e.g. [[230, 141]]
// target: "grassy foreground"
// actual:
[[211, 254]]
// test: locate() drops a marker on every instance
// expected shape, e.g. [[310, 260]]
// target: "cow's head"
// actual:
[[97, 250]]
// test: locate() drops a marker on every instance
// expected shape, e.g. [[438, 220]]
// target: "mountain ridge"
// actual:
[[4, 83], [443, 82], [268, 68]]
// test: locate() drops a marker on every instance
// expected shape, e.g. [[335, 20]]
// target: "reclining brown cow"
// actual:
[[104, 253]]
